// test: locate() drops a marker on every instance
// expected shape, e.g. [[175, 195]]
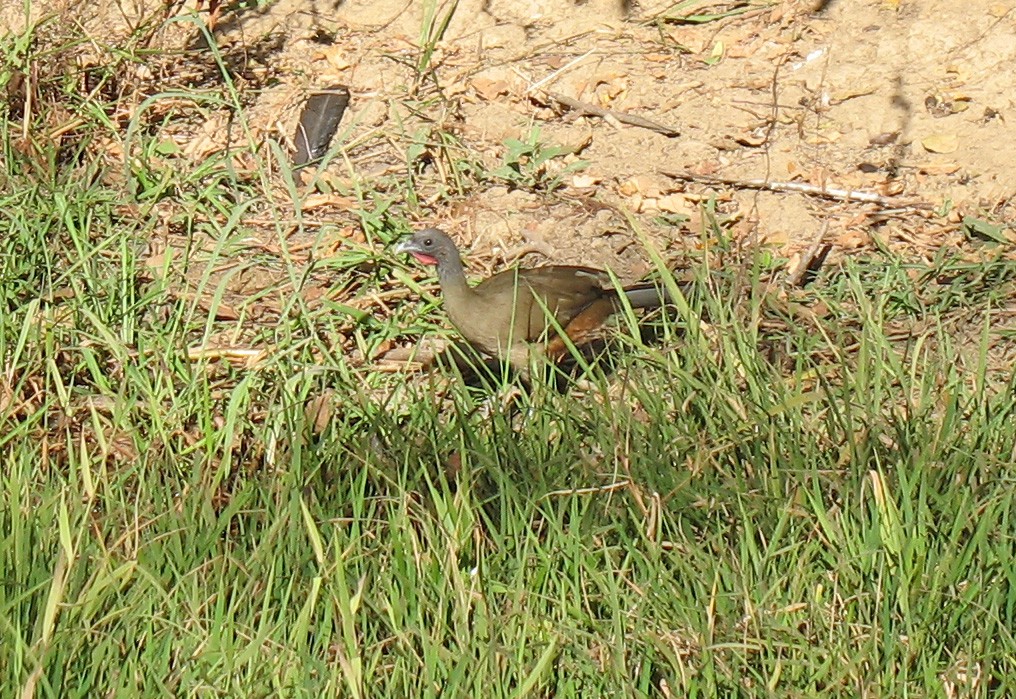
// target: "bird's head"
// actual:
[[430, 246]]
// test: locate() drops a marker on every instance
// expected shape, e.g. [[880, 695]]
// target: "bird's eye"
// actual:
[[428, 242]]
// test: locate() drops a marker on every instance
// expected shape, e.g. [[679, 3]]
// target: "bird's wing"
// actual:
[[515, 303], [564, 291]]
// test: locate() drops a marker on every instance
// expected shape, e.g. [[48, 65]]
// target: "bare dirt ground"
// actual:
[[908, 101]]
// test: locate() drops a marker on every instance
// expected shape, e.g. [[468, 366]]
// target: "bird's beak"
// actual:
[[409, 245]]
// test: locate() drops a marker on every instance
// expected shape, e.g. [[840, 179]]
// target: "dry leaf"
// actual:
[[382, 349], [210, 139], [608, 94], [316, 201], [776, 237], [489, 89], [716, 55], [640, 184], [941, 143], [961, 72], [584, 180], [939, 169], [318, 411], [335, 55], [824, 138], [850, 240], [860, 91], [884, 139], [753, 139], [894, 188], [311, 294], [675, 204]]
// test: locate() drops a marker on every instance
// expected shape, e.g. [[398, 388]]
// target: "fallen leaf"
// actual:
[[776, 237], [884, 139], [753, 139], [824, 138], [609, 92], [939, 168], [961, 72], [313, 293], [940, 106], [999, 10], [336, 57], [941, 143], [640, 184], [894, 188], [975, 228], [675, 204], [716, 55], [318, 411], [852, 93], [584, 180], [489, 89], [315, 201], [852, 239]]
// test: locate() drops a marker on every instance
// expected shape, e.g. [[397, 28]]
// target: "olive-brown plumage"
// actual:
[[508, 314]]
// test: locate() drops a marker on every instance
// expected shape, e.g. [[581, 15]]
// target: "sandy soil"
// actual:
[[907, 100], [857, 96]]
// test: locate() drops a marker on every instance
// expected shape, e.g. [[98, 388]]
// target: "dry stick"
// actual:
[[827, 192], [557, 73], [804, 265], [587, 491], [630, 119]]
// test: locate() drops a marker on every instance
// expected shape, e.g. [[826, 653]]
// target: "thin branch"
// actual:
[[808, 265], [587, 491], [629, 119], [802, 188]]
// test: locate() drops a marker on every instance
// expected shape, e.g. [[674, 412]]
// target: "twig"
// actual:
[[809, 263], [826, 192], [624, 118], [557, 73], [587, 491]]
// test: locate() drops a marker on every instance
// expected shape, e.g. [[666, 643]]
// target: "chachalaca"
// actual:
[[506, 315]]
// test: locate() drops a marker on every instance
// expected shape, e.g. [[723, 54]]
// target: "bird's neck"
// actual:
[[452, 277]]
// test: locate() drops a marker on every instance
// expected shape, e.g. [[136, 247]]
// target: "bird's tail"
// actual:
[[647, 296]]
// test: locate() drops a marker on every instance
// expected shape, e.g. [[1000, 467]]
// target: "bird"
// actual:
[[521, 312]]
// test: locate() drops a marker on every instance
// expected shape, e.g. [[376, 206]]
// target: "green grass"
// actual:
[[768, 500], [705, 519]]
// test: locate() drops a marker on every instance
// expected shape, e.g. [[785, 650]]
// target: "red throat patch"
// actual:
[[425, 259]]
